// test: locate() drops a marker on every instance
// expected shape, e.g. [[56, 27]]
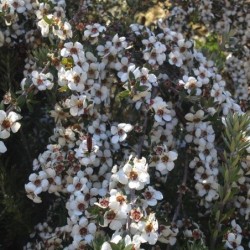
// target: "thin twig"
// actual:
[[179, 200], [29, 89], [139, 153], [79, 12], [26, 147], [141, 140], [145, 125]]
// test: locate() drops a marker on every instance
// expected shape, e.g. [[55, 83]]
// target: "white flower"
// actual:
[[183, 45], [151, 195], [233, 241], [175, 58], [8, 123], [203, 74], [191, 84], [59, 114], [38, 183], [119, 43], [136, 214], [103, 203], [217, 93], [94, 30], [116, 238], [205, 175], [122, 68], [149, 229], [76, 78], [137, 28], [236, 227], [75, 50], [205, 131], [77, 104], [55, 181], [64, 31], [208, 188], [99, 92], [118, 201], [149, 43], [166, 161], [19, 5], [42, 81], [195, 118], [98, 130], [65, 136], [44, 26], [93, 70], [207, 152], [105, 158], [62, 80], [162, 113], [134, 174], [78, 205], [119, 132], [114, 219], [243, 205], [146, 78], [87, 151], [135, 241], [168, 235], [83, 230], [156, 55], [104, 51], [78, 184]]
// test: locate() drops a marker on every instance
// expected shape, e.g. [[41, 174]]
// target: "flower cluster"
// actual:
[[138, 115], [232, 24]]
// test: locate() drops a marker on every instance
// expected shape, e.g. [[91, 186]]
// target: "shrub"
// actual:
[[148, 145]]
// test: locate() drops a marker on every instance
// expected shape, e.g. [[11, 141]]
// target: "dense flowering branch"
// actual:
[[133, 116]]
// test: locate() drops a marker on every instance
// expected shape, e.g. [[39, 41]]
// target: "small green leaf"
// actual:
[[131, 76], [101, 220], [227, 215], [124, 94], [63, 89], [226, 175], [227, 196], [114, 246], [30, 107], [48, 20], [98, 242], [141, 88], [2, 106], [217, 215], [235, 161], [21, 100], [129, 247]]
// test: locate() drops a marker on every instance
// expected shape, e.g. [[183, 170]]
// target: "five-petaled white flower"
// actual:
[[134, 174], [120, 131], [94, 30], [8, 122], [149, 229], [162, 113], [42, 81], [151, 195]]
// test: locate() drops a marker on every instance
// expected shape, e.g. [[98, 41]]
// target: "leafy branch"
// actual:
[[236, 139]]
